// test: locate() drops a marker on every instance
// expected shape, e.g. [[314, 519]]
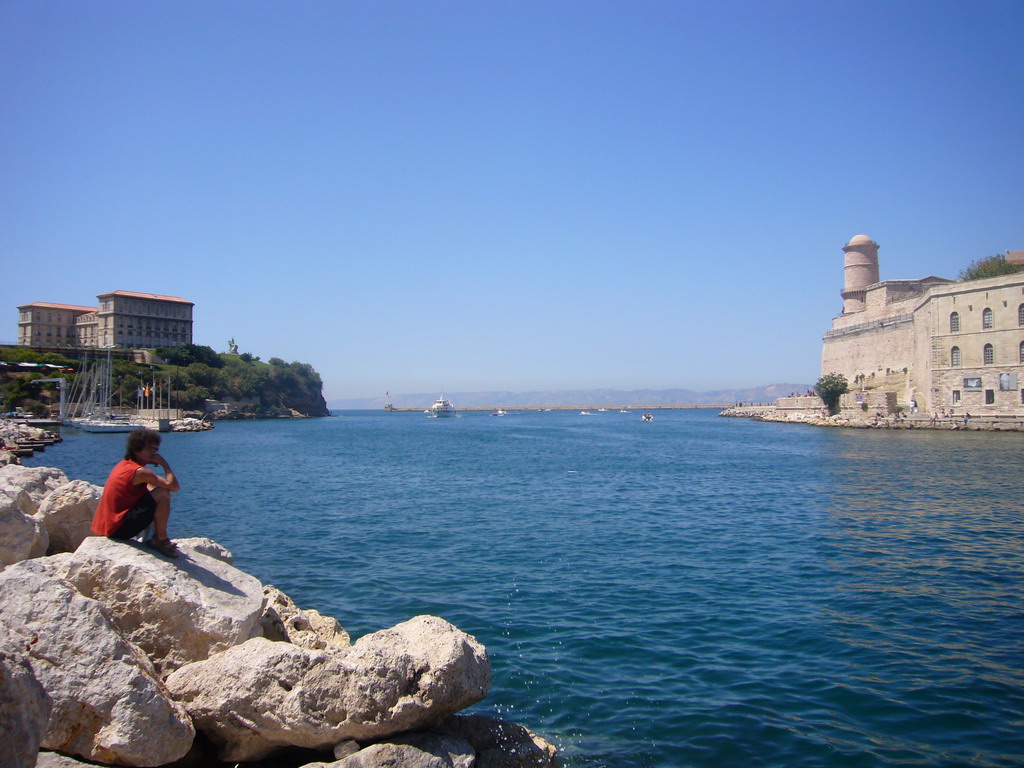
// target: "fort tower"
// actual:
[[861, 270]]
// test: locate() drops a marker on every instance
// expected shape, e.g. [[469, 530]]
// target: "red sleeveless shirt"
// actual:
[[119, 495]]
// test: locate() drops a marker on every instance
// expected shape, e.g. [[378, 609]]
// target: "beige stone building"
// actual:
[[124, 319], [937, 342]]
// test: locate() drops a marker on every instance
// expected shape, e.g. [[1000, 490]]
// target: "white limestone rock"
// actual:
[[24, 711], [108, 703], [419, 672], [500, 744], [21, 536], [55, 760], [283, 621], [345, 748], [29, 485], [263, 695], [417, 750], [209, 547], [66, 513], [51, 566], [177, 610]]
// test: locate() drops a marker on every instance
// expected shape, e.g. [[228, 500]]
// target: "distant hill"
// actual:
[[763, 394]]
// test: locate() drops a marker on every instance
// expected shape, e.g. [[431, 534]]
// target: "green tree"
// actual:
[[993, 266], [186, 354], [829, 388], [17, 392]]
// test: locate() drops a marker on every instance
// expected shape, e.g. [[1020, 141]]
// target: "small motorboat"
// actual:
[[647, 417]]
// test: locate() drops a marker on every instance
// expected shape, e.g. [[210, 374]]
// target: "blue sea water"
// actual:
[[694, 591]]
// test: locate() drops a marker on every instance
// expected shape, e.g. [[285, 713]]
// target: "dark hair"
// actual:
[[138, 440]]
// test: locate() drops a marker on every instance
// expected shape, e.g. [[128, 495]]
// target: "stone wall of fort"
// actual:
[[872, 353]]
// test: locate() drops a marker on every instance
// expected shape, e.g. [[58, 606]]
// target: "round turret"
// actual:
[[861, 270]]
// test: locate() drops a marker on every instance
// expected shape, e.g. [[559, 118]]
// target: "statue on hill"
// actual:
[[232, 346]]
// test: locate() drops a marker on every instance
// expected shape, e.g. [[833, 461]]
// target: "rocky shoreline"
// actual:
[[112, 654], [894, 421]]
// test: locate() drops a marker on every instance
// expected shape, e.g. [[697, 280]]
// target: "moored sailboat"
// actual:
[[90, 407]]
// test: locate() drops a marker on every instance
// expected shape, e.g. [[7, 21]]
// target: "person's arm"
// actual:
[[146, 475]]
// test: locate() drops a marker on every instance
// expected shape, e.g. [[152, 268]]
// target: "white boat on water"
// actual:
[[441, 408], [111, 424]]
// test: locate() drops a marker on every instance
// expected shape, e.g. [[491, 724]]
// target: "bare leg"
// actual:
[[162, 512]]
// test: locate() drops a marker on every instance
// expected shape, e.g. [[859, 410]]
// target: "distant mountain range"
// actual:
[[581, 397]]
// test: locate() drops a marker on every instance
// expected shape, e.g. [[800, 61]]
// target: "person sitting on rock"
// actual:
[[135, 496]]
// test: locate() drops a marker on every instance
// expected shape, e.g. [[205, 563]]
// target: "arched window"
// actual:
[[986, 318], [1020, 315], [1022, 351], [954, 357], [954, 322], [989, 354]]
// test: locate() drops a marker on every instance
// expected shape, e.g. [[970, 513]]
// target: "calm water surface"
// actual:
[[695, 591]]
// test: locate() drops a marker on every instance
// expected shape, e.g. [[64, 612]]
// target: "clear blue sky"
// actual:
[[471, 195]]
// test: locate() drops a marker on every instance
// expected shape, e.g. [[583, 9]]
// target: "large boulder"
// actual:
[[284, 621], [24, 711], [29, 485], [264, 695], [435, 668], [108, 703], [21, 535], [178, 611], [66, 513]]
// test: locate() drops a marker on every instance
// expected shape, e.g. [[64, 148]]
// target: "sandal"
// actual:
[[165, 547]]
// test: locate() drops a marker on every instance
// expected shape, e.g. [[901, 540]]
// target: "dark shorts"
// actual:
[[137, 519]]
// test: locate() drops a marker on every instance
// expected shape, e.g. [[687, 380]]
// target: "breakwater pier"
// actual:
[[539, 408]]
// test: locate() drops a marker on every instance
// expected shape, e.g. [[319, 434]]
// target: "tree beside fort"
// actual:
[[830, 388], [993, 266]]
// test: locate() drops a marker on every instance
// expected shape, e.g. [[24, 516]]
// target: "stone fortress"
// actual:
[[939, 343]]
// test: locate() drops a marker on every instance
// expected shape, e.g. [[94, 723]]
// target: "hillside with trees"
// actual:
[[192, 374]]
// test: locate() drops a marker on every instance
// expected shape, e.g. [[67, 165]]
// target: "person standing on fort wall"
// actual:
[[136, 496]]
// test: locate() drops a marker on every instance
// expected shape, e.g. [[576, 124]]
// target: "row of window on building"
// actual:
[[988, 355], [987, 319], [1007, 383], [90, 333], [154, 308]]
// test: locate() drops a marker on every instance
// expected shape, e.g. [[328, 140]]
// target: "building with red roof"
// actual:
[[123, 319]]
